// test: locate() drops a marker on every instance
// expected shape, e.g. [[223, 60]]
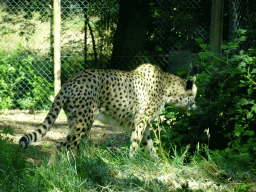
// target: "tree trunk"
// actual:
[[130, 34], [216, 26]]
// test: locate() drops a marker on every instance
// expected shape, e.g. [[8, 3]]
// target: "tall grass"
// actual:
[[101, 169]]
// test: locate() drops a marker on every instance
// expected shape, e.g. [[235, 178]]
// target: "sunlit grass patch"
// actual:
[[100, 168]]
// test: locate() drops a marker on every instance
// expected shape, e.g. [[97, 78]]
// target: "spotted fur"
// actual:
[[130, 99]]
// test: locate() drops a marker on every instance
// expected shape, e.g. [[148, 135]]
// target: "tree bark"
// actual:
[[130, 34], [216, 26]]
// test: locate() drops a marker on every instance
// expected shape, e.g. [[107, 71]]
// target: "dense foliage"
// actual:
[[20, 85], [225, 118]]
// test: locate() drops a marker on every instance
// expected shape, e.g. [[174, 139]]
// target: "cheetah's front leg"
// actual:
[[141, 134], [147, 142]]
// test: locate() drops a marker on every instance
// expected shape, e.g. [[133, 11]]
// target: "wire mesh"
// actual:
[[241, 14], [87, 34]]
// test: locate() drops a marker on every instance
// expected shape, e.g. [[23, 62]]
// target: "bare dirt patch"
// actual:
[[21, 122]]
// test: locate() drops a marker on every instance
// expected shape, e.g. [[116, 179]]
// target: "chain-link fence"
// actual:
[[87, 41], [240, 14]]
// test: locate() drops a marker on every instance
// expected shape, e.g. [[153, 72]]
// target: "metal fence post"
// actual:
[[57, 61]]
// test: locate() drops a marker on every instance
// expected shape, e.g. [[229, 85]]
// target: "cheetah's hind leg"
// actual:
[[79, 122], [141, 135], [147, 143]]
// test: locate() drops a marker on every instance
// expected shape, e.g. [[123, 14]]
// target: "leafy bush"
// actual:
[[226, 104], [20, 87]]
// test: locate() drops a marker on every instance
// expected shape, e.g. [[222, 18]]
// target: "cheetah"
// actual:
[[131, 99]]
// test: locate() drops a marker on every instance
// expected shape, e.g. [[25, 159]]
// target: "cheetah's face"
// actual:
[[184, 95]]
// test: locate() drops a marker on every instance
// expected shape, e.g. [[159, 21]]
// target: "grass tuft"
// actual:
[[101, 169]]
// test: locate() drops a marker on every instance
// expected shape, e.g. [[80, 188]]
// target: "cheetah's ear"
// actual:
[[193, 79], [190, 82]]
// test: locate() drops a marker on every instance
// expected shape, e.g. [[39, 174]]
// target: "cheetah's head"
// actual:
[[183, 95]]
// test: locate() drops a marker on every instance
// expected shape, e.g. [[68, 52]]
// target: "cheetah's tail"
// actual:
[[52, 115]]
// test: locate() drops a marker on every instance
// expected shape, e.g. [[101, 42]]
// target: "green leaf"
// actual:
[[250, 90], [253, 70], [159, 49], [244, 149], [83, 174], [199, 40], [249, 115], [47, 146], [203, 55], [241, 31], [243, 101], [224, 46], [170, 116], [210, 53], [8, 130], [243, 38], [238, 130], [254, 108], [249, 133]]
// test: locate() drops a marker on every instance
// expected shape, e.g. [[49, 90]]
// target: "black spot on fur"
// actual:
[[144, 143], [35, 136], [49, 120], [30, 136], [25, 140]]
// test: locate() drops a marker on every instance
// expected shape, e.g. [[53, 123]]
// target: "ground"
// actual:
[[163, 174], [21, 122]]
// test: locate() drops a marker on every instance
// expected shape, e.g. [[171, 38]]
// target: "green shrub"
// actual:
[[20, 87], [226, 104]]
